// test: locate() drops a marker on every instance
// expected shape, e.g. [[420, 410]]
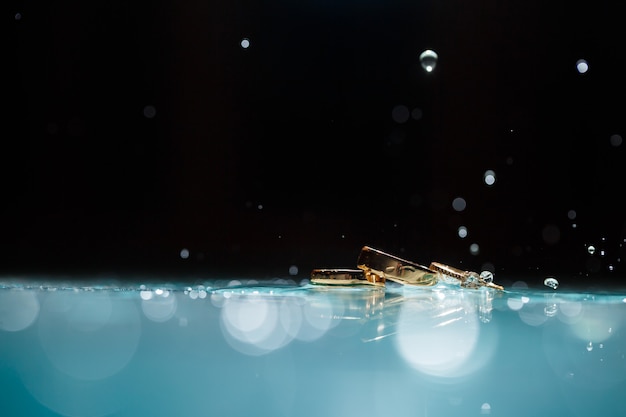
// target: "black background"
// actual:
[[286, 153]]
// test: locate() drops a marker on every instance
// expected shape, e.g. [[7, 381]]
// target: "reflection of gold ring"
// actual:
[[468, 279], [385, 266], [345, 277]]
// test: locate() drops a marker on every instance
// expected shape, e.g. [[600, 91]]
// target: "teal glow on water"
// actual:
[[287, 349]]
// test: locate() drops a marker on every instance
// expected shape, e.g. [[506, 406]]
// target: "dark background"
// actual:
[[136, 129]]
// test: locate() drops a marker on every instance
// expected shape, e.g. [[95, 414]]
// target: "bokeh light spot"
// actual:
[[551, 234], [616, 140], [459, 204], [474, 249], [89, 336], [451, 328], [184, 253], [149, 112], [582, 66], [400, 114], [18, 309], [245, 43], [160, 308], [462, 232]]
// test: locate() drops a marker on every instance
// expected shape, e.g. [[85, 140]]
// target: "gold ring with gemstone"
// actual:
[[389, 267]]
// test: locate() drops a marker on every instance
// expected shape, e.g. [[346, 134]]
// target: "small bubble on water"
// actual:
[[428, 60], [591, 249], [551, 282]]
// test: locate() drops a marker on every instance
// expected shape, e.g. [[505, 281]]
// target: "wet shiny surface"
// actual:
[[284, 348]]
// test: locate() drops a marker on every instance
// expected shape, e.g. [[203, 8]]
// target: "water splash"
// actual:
[[551, 282], [486, 276]]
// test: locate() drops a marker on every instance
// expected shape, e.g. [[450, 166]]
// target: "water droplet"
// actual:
[[245, 43], [184, 253], [293, 270], [428, 60], [486, 276], [489, 177], [591, 249], [551, 282], [582, 66], [462, 232], [474, 249], [589, 347]]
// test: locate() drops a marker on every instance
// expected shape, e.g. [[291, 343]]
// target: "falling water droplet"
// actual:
[[589, 347], [591, 249], [551, 282], [428, 60]]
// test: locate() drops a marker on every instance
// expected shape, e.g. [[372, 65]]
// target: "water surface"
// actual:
[[281, 348]]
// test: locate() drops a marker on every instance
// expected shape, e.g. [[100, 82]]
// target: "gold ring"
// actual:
[[389, 267], [468, 279], [345, 277]]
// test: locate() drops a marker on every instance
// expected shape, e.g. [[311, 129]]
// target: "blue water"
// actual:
[[281, 348]]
